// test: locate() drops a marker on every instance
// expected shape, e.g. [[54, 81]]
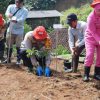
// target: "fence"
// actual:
[[60, 37]]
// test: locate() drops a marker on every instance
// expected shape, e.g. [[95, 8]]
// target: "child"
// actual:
[[92, 41], [2, 37]]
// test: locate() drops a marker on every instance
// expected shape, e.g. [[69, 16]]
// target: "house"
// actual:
[[45, 17]]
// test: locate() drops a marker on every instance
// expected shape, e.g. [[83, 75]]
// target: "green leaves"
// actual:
[[31, 52], [3, 5], [34, 52], [40, 4]]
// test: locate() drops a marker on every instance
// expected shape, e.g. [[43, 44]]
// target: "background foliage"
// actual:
[[82, 13], [3, 5]]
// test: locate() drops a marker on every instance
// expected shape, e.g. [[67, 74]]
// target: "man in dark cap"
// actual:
[[76, 33]]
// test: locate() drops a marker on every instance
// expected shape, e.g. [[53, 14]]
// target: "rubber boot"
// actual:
[[9, 54], [86, 74], [97, 73], [2, 56], [18, 56], [2, 48]]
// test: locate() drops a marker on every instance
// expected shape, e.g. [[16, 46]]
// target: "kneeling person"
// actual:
[[39, 43]]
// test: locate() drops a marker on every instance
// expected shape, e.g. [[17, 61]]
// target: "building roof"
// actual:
[[43, 14]]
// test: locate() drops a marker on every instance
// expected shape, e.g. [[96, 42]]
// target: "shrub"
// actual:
[[27, 28], [60, 50]]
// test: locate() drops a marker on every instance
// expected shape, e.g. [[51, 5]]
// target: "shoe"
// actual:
[[97, 77], [6, 61], [86, 78], [68, 70], [97, 73], [47, 72], [18, 63], [39, 71], [86, 73]]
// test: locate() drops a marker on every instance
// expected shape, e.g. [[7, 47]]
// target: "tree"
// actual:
[[3, 5], [40, 4]]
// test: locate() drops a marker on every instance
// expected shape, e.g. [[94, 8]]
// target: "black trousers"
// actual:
[[2, 48], [75, 58]]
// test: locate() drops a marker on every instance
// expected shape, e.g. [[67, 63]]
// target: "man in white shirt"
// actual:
[[76, 34], [16, 14]]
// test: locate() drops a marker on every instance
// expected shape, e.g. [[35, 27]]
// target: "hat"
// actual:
[[1, 20], [95, 2], [71, 17], [40, 33]]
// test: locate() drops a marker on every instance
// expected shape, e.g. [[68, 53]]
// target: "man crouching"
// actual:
[[37, 45]]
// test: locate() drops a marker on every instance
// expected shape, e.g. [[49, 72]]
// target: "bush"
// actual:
[[60, 50], [27, 28]]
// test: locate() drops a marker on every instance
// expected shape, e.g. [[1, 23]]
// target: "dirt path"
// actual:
[[17, 84]]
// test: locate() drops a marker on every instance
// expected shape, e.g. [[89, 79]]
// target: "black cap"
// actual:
[[71, 17]]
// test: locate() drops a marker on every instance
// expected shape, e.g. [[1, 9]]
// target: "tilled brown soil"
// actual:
[[17, 84]]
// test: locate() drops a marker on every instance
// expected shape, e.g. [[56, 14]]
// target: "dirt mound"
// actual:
[[17, 84]]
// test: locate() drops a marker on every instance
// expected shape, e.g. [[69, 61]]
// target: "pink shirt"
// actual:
[[93, 26]]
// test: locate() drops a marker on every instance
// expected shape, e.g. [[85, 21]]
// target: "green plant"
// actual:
[[50, 30], [33, 51], [60, 50], [27, 28]]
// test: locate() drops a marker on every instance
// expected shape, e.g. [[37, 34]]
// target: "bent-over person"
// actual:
[[37, 40], [76, 32]]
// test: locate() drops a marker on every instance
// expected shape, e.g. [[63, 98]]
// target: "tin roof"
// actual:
[[44, 14]]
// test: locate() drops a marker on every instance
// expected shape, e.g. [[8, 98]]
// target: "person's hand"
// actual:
[[99, 42], [76, 44], [14, 21], [73, 51], [10, 15]]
